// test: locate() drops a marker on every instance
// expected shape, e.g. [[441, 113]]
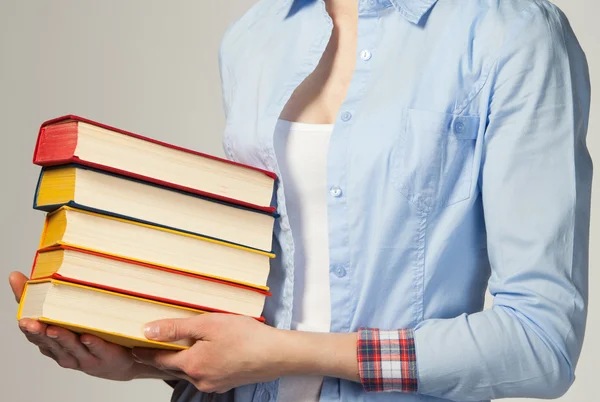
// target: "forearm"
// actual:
[[324, 354]]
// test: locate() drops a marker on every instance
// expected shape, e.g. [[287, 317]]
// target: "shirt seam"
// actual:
[[493, 65]]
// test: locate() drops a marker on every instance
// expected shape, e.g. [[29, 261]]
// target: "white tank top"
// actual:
[[302, 155]]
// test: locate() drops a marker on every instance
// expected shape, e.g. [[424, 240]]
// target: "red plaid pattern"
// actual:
[[387, 360]]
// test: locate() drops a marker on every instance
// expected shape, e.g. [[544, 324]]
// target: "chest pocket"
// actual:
[[432, 160]]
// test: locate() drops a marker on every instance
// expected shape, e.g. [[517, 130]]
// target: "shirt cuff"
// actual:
[[387, 360]]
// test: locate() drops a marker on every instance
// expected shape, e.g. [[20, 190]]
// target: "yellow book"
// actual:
[[114, 317], [157, 246]]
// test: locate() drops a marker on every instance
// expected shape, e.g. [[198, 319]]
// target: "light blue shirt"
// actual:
[[458, 161]]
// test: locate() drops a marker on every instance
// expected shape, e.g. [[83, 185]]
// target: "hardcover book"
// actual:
[[147, 281], [73, 139], [157, 246], [114, 317]]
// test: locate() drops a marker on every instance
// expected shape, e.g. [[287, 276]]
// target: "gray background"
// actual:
[[147, 66]]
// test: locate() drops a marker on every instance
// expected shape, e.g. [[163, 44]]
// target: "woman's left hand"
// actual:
[[232, 350], [229, 351]]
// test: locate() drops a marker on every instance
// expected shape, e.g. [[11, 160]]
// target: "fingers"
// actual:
[[36, 334], [71, 344], [17, 282], [175, 329], [180, 375], [46, 352], [161, 359], [32, 327], [99, 348]]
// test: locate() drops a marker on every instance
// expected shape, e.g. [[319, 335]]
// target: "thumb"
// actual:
[[172, 330], [17, 282]]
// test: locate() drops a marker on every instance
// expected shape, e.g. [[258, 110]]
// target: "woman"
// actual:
[[426, 149]]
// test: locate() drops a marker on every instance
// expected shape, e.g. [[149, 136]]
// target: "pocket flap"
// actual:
[[462, 127]]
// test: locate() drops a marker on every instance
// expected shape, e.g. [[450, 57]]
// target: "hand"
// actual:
[[231, 351], [87, 353]]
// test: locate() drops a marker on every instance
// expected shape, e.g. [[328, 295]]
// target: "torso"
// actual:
[[386, 192]]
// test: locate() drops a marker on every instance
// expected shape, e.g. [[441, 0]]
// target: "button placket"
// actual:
[[342, 284], [284, 224]]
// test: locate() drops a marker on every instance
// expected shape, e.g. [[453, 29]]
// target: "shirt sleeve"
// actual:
[[535, 182], [387, 360]]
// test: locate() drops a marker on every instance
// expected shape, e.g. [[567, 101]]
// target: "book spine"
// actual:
[[21, 302], [44, 230], [37, 189], [56, 144], [37, 253]]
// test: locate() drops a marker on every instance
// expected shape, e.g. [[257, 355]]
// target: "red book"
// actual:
[[73, 139], [147, 281]]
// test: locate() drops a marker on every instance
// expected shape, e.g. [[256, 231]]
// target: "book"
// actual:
[[147, 281], [73, 139], [114, 317], [154, 245], [132, 199]]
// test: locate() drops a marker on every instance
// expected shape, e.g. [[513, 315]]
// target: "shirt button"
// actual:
[[346, 116], [366, 55], [459, 127], [335, 191], [339, 271]]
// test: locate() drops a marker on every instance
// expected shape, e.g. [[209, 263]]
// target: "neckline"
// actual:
[[297, 126]]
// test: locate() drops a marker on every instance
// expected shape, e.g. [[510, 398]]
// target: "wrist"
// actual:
[[313, 353], [337, 356]]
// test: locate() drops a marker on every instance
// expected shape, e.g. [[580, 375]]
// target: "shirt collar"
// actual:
[[412, 10]]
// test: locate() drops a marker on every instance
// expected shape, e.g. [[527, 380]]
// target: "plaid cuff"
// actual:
[[387, 360]]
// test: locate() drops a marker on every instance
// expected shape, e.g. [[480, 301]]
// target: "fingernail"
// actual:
[[135, 357], [52, 336], [32, 332], [87, 343], [152, 331]]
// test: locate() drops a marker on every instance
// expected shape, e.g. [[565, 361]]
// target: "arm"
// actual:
[[234, 350], [536, 184]]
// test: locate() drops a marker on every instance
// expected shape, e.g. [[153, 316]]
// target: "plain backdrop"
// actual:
[[150, 67]]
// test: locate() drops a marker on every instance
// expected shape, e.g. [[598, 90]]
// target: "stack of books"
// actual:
[[138, 230]]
